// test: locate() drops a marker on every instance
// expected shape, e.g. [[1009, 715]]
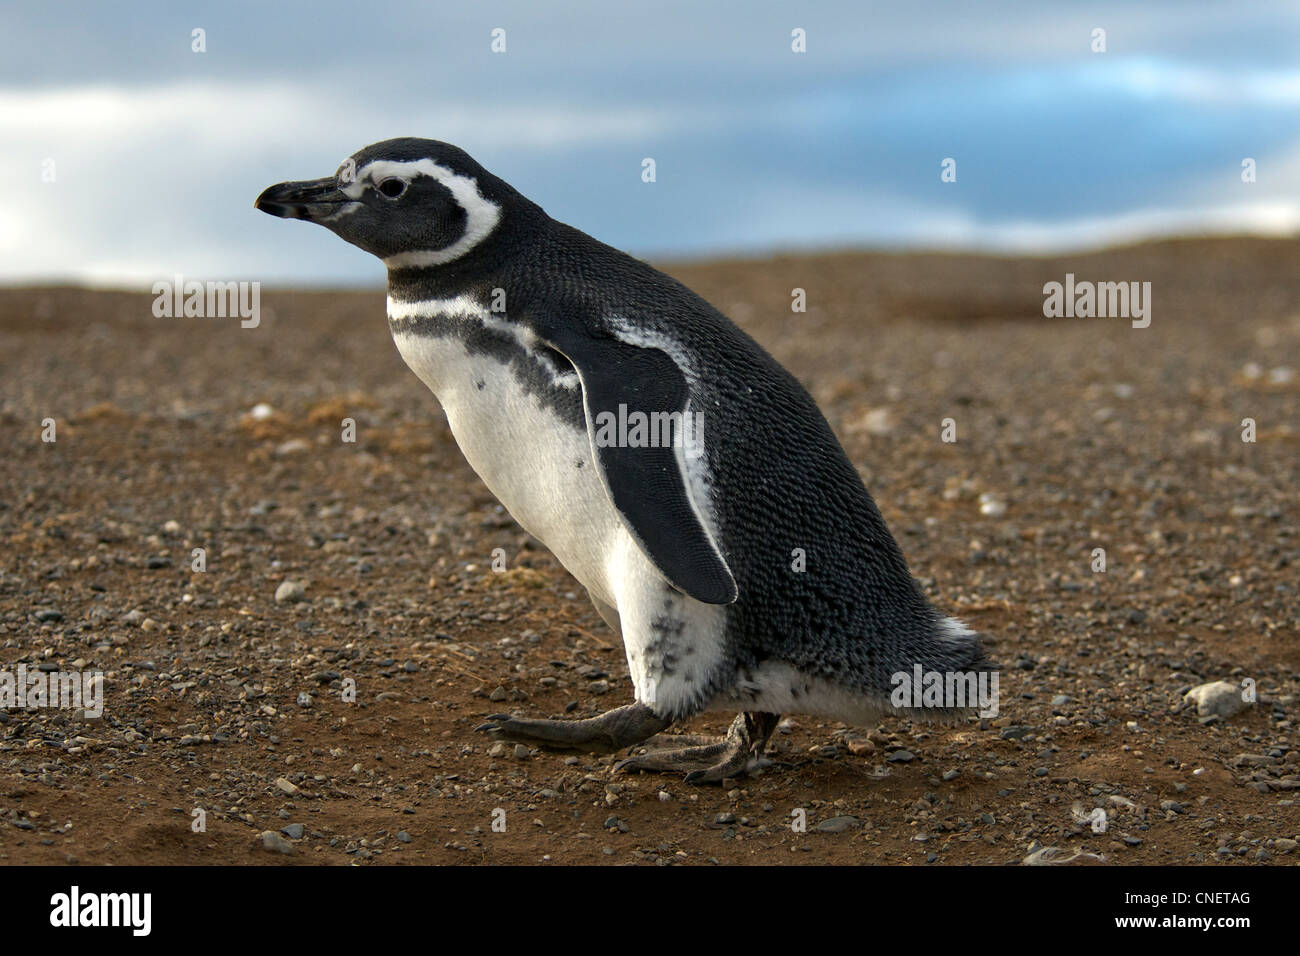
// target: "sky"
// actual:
[[130, 157]]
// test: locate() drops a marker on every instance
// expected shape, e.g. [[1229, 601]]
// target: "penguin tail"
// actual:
[[949, 678]]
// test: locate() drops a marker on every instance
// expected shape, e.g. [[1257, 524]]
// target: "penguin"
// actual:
[[683, 476]]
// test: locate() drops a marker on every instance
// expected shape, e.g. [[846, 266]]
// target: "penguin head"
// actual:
[[411, 202]]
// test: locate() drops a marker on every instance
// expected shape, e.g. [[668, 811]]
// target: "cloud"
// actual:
[[159, 152]]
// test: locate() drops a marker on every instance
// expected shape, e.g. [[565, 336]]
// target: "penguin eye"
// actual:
[[392, 188]]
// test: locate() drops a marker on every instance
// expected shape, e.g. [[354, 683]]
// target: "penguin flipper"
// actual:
[[647, 481]]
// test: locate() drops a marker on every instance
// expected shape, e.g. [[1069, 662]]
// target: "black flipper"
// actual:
[[646, 483]]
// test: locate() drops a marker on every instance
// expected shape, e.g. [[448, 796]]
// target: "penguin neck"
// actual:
[[494, 268]]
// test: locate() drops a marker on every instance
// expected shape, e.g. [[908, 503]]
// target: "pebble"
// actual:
[[276, 843], [1217, 699], [949, 775], [290, 591], [291, 447], [293, 831], [286, 785], [901, 756], [837, 824]]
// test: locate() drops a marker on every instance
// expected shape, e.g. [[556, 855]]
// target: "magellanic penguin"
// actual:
[[669, 462]]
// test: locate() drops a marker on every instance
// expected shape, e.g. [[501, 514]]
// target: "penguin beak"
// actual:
[[312, 199]]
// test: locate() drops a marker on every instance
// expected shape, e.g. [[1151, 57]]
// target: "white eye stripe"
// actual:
[[379, 170], [481, 214]]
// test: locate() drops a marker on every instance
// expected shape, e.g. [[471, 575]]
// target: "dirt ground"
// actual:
[[1072, 435]]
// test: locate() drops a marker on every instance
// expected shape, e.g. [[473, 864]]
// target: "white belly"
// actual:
[[538, 466]]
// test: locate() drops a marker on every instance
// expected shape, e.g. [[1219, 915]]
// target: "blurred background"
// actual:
[[130, 157]]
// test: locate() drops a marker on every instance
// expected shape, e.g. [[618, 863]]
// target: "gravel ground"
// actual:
[[331, 562]]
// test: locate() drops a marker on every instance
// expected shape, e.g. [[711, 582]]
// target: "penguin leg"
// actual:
[[611, 731], [730, 756], [608, 614]]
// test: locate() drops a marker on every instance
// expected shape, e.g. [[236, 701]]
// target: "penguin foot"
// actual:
[[739, 751], [611, 731]]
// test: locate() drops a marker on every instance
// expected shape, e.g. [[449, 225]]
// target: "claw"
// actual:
[[722, 758]]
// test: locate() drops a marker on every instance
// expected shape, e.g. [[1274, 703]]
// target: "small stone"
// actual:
[[522, 752], [291, 447], [1060, 700], [290, 592], [876, 422], [304, 699], [1217, 699], [725, 818], [403, 836], [837, 824], [49, 614], [286, 786], [498, 695], [276, 843], [901, 756], [1284, 844], [950, 775], [861, 746], [498, 749], [293, 831]]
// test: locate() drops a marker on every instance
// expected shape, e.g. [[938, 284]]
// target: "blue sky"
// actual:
[[158, 151]]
